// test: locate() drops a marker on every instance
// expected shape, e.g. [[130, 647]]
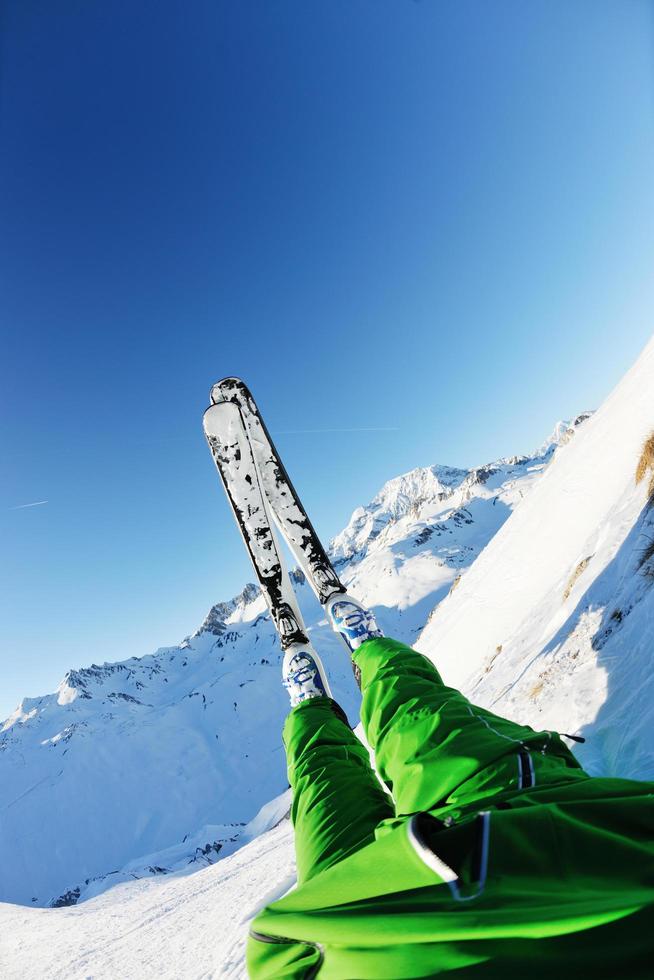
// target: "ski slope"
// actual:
[[188, 925], [553, 624]]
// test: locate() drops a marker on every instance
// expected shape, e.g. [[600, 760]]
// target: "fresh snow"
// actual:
[[184, 925], [552, 625], [116, 795]]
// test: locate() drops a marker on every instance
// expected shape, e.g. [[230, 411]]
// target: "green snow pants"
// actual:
[[493, 856], [433, 749]]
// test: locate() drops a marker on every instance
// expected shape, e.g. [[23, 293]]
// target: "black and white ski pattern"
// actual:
[[281, 496], [232, 453]]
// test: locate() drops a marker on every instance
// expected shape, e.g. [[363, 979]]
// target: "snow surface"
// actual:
[[116, 794], [190, 925], [553, 623]]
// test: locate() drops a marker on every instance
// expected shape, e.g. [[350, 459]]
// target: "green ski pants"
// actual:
[[434, 750]]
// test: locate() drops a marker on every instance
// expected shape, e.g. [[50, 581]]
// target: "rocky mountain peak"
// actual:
[[216, 619], [426, 486], [562, 433]]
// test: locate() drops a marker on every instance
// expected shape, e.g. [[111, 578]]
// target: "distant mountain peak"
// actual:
[[562, 433], [406, 494], [397, 498], [216, 619]]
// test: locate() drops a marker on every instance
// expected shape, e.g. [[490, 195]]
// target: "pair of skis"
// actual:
[[266, 506]]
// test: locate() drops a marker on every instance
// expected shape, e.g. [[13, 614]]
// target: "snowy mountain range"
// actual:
[[182, 748], [148, 797]]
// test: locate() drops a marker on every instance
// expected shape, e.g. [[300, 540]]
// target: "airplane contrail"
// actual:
[[37, 503], [367, 428]]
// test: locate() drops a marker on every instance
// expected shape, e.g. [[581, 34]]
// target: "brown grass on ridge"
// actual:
[[583, 564], [645, 465]]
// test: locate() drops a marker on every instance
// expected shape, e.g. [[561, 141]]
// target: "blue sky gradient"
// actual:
[[433, 220]]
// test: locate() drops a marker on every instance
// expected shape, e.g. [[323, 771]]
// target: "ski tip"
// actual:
[[224, 390], [217, 416]]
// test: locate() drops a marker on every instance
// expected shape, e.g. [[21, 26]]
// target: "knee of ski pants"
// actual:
[[385, 656], [313, 729], [433, 747], [396, 681]]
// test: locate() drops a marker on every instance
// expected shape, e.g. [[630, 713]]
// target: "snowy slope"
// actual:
[[170, 754], [129, 759], [186, 925], [553, 624]]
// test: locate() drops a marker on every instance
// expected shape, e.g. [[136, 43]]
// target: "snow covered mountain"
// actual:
[[139, 767], [551, 624]]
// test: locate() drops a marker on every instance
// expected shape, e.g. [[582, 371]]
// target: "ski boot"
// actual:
[[352, 620], [303, 674]]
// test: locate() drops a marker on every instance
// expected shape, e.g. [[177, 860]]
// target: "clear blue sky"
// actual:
[[430, 217]]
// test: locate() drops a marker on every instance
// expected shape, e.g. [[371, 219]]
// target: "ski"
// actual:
[[232, 453], [280, 495]]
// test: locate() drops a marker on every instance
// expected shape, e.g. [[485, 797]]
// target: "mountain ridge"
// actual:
[[171, 742]]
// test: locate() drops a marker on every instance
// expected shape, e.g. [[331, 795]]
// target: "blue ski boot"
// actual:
[[352, 620], [303, 674]]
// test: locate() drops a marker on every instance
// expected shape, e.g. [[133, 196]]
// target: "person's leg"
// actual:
[[434, 748], [337, 799]]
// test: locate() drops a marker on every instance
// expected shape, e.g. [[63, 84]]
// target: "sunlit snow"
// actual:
[[138, 796]]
